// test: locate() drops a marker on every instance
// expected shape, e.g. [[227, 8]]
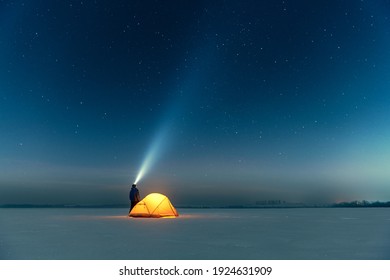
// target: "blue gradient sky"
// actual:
[[256, 100]]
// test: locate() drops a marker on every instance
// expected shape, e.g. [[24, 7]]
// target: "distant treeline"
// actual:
[[362, 203], [62, 206], [267, 204]]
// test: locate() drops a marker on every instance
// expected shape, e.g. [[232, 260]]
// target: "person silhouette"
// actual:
[[133, 196]]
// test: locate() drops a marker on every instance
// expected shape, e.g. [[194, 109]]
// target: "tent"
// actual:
[[154, 205]]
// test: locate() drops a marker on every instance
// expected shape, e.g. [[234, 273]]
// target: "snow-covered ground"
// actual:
[[197, 234]]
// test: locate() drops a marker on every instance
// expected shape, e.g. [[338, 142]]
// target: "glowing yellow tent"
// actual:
[[154, 205]]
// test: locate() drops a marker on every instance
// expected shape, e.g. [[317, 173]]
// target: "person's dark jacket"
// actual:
[[134, 195]]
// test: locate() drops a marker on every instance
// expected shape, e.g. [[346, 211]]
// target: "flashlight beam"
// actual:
[[152, 155]]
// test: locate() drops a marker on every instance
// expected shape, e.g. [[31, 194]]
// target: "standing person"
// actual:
[[133, 196]]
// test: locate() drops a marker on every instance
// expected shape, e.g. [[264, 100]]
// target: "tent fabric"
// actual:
[[154, 205]]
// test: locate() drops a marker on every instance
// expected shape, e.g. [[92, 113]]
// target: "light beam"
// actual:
[[191, 87], [152, 154]]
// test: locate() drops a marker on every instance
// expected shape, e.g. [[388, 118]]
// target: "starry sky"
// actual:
[[241, 101]]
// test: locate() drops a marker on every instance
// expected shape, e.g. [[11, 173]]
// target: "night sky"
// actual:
[[242, 101]]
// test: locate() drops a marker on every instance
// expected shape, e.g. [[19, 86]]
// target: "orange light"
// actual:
[[154, 205]]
